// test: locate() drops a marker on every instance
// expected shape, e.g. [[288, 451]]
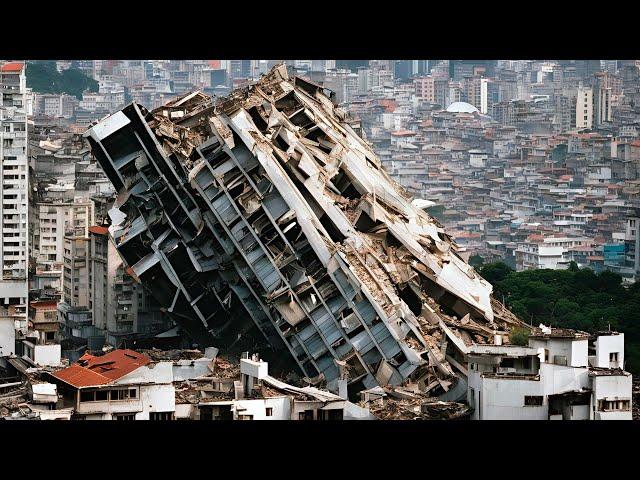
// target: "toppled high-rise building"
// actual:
[[266, 205]]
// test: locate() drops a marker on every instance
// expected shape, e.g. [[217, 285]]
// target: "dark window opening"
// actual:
[[533, 400]]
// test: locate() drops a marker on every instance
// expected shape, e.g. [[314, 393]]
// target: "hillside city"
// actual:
[[534, 164]]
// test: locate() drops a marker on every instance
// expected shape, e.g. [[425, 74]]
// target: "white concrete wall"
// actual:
[[161, 372], [612, 387], [579, 412], [49, 355], [576, 351], [191, 369], [156, 398], [257, 369], [184, 411], [561, 379], [502, 399], [7, 336], [257, 408], [579, 353], [606, 344]]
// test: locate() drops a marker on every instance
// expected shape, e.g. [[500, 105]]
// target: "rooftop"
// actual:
[[462, 107], [12, 67], [101, 370]]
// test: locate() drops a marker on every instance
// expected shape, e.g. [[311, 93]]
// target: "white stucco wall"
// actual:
[[576, 350], [7, 337], [191, 369], [606, 344], [257, 408], [561, 379], [47, 355], [161, 372], [156, 398], [502, 399], [184, 411]]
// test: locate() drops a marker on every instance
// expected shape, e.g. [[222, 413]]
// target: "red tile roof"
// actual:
[[98, 230], [81, 377], [102, 370], [12, 67]]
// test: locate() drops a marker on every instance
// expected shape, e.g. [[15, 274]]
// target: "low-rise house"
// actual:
[[121, 385]]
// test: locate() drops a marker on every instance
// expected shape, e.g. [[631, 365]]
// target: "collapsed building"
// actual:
[[265, 210]]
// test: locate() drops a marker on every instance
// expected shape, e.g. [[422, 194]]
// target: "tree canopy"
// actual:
[[574, 298], [43, 77]]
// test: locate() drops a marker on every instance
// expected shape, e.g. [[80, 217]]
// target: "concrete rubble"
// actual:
[[265, 210]]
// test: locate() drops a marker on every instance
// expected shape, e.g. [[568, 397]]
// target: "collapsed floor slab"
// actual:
[[266, 205]]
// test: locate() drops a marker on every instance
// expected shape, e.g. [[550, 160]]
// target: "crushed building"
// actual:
[[265, 211]]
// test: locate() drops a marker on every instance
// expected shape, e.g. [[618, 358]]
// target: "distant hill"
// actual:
[[43, 77]]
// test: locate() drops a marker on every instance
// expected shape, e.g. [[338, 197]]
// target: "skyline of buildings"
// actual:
[[534, 163]]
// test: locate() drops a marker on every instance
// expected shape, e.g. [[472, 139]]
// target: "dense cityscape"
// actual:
[[526, 165]]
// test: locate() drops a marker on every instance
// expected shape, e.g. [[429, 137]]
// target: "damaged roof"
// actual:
[[95, 371]]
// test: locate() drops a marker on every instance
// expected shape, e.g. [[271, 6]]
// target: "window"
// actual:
[[125, 416], [532, 400], [161, 416], [613, 357], [87, 396], [118, 395], [102, 395], [306, 415], [507, 363], [614, 405], [269, 412]]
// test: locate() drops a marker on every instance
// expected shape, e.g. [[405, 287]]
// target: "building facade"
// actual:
[[13, 194]]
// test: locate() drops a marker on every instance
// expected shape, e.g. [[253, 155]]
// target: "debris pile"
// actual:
[[265, 206]]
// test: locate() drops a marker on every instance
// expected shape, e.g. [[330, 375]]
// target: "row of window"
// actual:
[[108, 395], [152, 416]]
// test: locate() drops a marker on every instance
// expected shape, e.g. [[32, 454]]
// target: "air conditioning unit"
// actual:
[[560, 359]]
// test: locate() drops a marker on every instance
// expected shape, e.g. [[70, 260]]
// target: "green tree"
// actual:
[[476, 261]]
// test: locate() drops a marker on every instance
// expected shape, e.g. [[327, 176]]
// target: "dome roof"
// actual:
[[461, 107]]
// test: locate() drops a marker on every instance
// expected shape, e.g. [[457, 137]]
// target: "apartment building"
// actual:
[[13, 194], [584, 108], [55, 220]]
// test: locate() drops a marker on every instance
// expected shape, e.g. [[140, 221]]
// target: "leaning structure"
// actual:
[[266, 205]]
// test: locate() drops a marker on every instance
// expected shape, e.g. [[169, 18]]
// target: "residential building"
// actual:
[[560, 375], [13, 195], [584, 108], [121, 385]]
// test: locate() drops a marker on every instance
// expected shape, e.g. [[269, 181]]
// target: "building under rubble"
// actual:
[[264, 211]]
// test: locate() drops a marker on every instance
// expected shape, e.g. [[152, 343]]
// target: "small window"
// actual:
[[306, 415], [102, 395], [125, 416], [87, 396], [161, 416], [532, 400], [613, 357], [507, 363], [132, 393], [269, 412]]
